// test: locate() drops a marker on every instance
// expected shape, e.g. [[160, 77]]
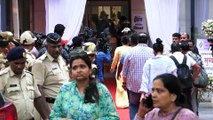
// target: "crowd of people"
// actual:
[[47, 78]]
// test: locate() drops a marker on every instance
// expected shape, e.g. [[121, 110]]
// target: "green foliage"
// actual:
[[207, 28]]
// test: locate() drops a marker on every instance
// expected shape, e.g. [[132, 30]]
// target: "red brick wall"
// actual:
[[39, 16]]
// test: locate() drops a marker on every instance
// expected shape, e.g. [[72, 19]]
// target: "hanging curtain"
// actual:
[[70, 13], [163, 20]]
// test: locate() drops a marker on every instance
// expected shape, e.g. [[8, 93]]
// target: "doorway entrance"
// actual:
[[98, 10], [100, 14]]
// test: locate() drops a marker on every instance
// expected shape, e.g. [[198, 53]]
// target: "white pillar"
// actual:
[[185, 16], [15, 18], [210, 9]]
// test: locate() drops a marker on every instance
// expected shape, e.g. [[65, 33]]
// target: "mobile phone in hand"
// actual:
[[148, 102]]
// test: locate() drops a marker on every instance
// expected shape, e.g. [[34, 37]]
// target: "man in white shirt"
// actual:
[[178, 52]]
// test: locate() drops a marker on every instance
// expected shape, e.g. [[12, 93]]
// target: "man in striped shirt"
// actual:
[[133, 70]]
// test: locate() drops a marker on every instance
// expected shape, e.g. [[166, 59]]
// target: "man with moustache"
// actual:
[[50, 72]]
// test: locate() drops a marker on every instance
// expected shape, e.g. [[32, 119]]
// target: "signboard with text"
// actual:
[[138, 22], [206, 54]]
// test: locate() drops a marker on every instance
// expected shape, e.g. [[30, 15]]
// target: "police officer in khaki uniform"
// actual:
[[27, 41], [3, 61], [17, 84], [6, 45], [50, 71], [90, 49]]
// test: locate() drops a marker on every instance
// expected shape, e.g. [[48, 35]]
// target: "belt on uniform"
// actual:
[[50, 100]]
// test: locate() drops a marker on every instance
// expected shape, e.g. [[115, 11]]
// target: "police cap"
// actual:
[[27, 38], [16, 53], [53, 38]]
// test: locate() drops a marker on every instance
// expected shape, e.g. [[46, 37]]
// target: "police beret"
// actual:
[[27, 38], [16, 53], [53, 38]]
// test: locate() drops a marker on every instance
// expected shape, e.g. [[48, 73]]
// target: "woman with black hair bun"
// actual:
[[157, 65], [83, 98], [159, 41], [168, 101]]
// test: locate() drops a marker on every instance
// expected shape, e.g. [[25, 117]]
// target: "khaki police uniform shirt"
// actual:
[[31, 59], [50, 74], [20, 90], [3, 61]]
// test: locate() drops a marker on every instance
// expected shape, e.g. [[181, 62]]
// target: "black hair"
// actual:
[[40, 39], [143, 37], [158, 46], [91, 91], [92, 40], [94, 32], [134, 39], [172, 84], [59, 29], [176, 35], [175, 47], [125, 39], [187, 35], [77, 41], [190, 41], [185, 45], [102, 43]]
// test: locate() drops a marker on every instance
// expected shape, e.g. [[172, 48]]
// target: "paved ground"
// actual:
[[206, 111]]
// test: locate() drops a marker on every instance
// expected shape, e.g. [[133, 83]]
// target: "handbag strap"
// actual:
[[175, 114]]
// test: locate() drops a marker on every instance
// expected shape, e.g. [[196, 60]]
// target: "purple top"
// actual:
[[184, 114]]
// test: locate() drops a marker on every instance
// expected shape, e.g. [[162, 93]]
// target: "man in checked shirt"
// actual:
[[133, 70]]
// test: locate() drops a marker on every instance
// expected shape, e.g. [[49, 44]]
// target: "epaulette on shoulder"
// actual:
[[4, 71], [28, 72], [43, 57]]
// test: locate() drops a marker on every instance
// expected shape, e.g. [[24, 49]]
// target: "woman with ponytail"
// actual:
[[167, 100], [83, 98], [156, 65]]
